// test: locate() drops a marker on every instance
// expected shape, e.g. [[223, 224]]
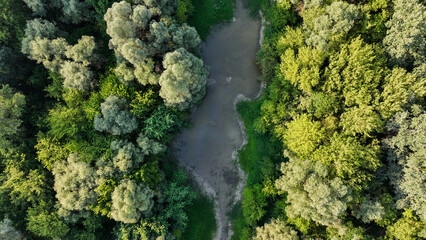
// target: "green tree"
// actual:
[[127, 155], [347, 232], [409, 227], [70, 61], [104, 201], [406, 152], [22, 186], [184, 10], [75, 11], [50, 151], [82, 51], [44, 222], [11, 110], [361, 120], [355, 73], [312, 193], [130, 200], [13, 16], [351, 160], [144, 103], [115, 118], [137, 38], [149, 146], [183, 83], [303, 135], [322, 105], [14, 67], [74, 183], [161, 124], [370, 210], [338, 19], [398, 89], [66, 121], [405, 40], [276, 230], [302, 69], [254, 204], [71, 11], [100, 6], [178, 197], [48, 52], [8, 232], [76, 76], [38, 28]]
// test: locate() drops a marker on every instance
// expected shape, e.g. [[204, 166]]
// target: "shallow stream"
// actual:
[[206, 149]]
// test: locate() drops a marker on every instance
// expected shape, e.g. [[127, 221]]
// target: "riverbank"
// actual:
[[258, 159]]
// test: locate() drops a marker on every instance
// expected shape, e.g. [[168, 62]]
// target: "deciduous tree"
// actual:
[[408, 148], [405, 40], [276, 230], [338, 19], [11, 109], [312, 193], [74, 183], [115, 118], [130, 200], [183, 83]]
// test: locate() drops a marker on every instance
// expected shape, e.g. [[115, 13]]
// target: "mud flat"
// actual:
[[207, 150]]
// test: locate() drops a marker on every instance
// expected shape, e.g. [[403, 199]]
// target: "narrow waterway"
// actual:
[[206, 149]]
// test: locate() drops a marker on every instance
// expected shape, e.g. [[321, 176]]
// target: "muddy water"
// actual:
[[206, 148]]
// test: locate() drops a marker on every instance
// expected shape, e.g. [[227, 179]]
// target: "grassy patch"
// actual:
[[260, 148], [208, 13], [201, 222], [239, 226], [258, 159]]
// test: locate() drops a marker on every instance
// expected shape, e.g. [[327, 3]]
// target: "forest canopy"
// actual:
[[92, 92], [344, 101]]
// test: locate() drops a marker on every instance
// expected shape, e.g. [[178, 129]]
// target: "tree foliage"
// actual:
[[8, 232], [312, 193], [115, 118], [407, 228], [74, 183], [407, 153], [130, 200], [137, 38], [13, 16], [44, 222], [405, 40], [72, 165], [70, 61], [183, 83], [344, 96], [71, 11], [338, 19], [276, 230], [11, 109]]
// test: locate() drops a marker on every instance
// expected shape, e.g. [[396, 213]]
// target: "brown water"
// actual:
[[206, 149]]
